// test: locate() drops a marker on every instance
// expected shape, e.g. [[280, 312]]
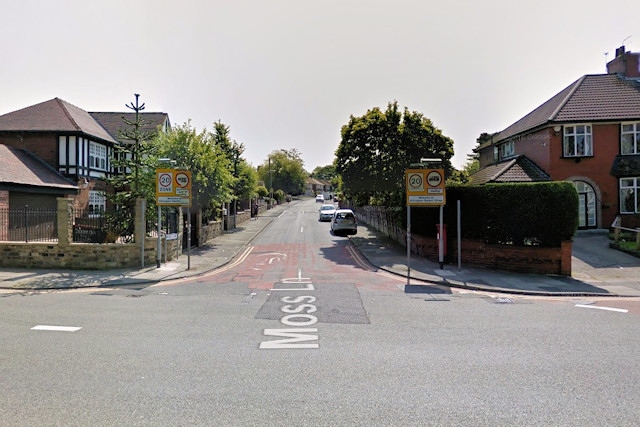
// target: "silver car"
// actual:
[[344, 222], [326, 212]]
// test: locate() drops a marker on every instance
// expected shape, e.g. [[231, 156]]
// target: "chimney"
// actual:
[[626, 64]]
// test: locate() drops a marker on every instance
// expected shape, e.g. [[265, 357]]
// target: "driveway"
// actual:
[[595, 262]]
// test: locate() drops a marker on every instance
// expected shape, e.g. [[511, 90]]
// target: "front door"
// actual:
[[586, 205]]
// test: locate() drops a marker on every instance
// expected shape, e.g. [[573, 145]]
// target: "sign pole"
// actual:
[[408, 244], [173, 188], [441, 239], [189, 238], [159, 245]]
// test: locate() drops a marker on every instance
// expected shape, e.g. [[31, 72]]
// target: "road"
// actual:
[[299, 330]]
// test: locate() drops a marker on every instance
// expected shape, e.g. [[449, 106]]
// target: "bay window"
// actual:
[[630, 195]]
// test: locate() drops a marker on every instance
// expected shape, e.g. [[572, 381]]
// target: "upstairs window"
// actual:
[[630, 138], [97, 156], [507, 150], [577, 141]]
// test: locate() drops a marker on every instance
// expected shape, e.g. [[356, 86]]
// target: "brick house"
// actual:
[[589, 134], [77, 145]]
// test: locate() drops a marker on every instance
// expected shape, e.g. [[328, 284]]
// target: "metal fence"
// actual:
[[28, 225], [89, 226], [113, 226]]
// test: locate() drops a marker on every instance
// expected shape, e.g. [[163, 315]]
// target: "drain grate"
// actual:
[[503, 300]]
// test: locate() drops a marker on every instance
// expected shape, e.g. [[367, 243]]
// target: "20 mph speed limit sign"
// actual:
[[173, 187], [425, 187]]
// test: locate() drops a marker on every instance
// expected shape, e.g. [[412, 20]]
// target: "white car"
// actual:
[[320, 198], [326, 212], [344, 222]]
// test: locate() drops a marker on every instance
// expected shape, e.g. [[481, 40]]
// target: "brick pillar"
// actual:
[[65, 221], [565, 257], [140, 226]]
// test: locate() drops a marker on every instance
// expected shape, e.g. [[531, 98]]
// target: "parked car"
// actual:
[[344, 222], [320, 198], [326, 212]]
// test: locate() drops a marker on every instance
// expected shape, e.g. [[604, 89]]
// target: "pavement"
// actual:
[[597, 270]]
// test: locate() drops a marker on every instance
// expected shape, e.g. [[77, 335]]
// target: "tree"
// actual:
[[134, 161], [246, 181], [377, 148], [283, 170], [325, 173]]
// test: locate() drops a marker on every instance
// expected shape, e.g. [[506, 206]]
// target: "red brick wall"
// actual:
[[4, 200], [43, 146], [536, 147], [500, 257], [4, 221]]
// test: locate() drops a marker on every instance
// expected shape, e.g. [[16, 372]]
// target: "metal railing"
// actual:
[[89, 226], [617, 228], [28, 225]]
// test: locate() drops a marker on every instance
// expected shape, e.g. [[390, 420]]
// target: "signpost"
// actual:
[[173, 188], [425, 187]]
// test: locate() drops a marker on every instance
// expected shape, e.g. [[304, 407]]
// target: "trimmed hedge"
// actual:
[[521, 214]]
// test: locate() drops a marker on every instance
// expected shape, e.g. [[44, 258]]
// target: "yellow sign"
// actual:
[[173, 187], [425, 187]]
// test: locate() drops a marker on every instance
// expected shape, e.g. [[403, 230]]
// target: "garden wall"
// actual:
[[475, 253]]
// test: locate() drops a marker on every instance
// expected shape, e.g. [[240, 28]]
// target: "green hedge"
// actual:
[[519, 214]]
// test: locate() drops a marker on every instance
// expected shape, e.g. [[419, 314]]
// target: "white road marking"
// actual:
[[618, 310], [55, 328]]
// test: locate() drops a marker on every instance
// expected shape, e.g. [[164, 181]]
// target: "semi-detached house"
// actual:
[[589, 134]]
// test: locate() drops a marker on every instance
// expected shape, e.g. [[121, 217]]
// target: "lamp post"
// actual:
[[270, 183]]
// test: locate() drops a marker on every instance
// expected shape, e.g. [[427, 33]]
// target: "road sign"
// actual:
[[173, 187], [425, 187]]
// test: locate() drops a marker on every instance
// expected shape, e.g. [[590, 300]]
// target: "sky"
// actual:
[[288, 74]]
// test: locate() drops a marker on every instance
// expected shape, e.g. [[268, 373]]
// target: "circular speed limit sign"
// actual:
[[415, 182], [164, 180]]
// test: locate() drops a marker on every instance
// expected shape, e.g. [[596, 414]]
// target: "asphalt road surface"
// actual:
[[300, 330]]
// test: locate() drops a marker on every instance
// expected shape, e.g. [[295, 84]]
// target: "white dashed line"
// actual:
[[55, 328], [618, 310]]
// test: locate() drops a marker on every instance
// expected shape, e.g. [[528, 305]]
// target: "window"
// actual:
[[507, 150], [97, 156], [97, 202], [496, 157], [630, 138], [630, 195], [577, 141]]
